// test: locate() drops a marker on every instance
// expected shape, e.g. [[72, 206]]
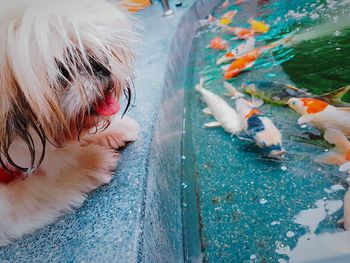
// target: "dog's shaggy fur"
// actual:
[[64, 64]]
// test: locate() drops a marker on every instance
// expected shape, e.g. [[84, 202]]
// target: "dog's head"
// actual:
[[64, 65]]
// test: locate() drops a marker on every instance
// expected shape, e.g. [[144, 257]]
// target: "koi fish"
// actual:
[[321, 114], [239, 32], [258, 26], [225, 116], [238, 2], [227, 17], [339, 155], [280, 93], [225, 4], [237, 52], [245, 62], [218, 43], [256, 125]]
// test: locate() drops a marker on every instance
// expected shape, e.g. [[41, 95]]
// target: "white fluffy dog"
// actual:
[[64, 65]]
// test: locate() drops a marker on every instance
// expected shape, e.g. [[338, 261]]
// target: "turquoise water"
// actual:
[[249, 208]]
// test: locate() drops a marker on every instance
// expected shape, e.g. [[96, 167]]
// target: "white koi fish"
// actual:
[[256, 125], [225, 116], [321, 114], [339, 155], [238, 52]]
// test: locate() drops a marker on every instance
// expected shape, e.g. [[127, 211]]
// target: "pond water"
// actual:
[[250, 208]]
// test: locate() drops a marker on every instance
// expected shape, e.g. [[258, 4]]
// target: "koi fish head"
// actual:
[[276, 151], [229, 56], [307, 105]]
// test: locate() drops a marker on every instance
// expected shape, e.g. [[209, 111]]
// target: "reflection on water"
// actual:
[[252, 209]]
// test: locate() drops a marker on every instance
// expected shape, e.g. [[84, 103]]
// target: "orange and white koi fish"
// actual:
[[258, 26], [239, 32], [237, 52], [339, 155], [321, 114], [245, 62], [225, 4], [256, 125], [225, 116], [248, 60], [218, 43], [227, 17]]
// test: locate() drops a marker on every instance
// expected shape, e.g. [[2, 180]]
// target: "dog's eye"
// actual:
[[64, 76], [99, 69]]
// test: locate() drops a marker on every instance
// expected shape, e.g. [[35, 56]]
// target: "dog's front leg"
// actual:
[[59, 185], [119, 132]]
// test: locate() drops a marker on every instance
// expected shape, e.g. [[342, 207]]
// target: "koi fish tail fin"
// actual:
[[331, 157], [200, 85], [270, 46], [337, 94], [339, 152], [232, 91]]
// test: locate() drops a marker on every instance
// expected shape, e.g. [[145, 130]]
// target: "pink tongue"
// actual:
[[109, 106]]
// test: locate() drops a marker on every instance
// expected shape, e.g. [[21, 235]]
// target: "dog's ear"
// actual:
[[21, 125]]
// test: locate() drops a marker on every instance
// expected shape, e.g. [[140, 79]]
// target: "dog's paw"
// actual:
[[98, 164], [117, 134]]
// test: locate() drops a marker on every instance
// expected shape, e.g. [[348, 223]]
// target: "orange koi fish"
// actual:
[[218, 43], [240, 32], [258, 26], [227, 18], [321, 114], [242, 63], [238, 51], [247, 61], [238, 2]]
